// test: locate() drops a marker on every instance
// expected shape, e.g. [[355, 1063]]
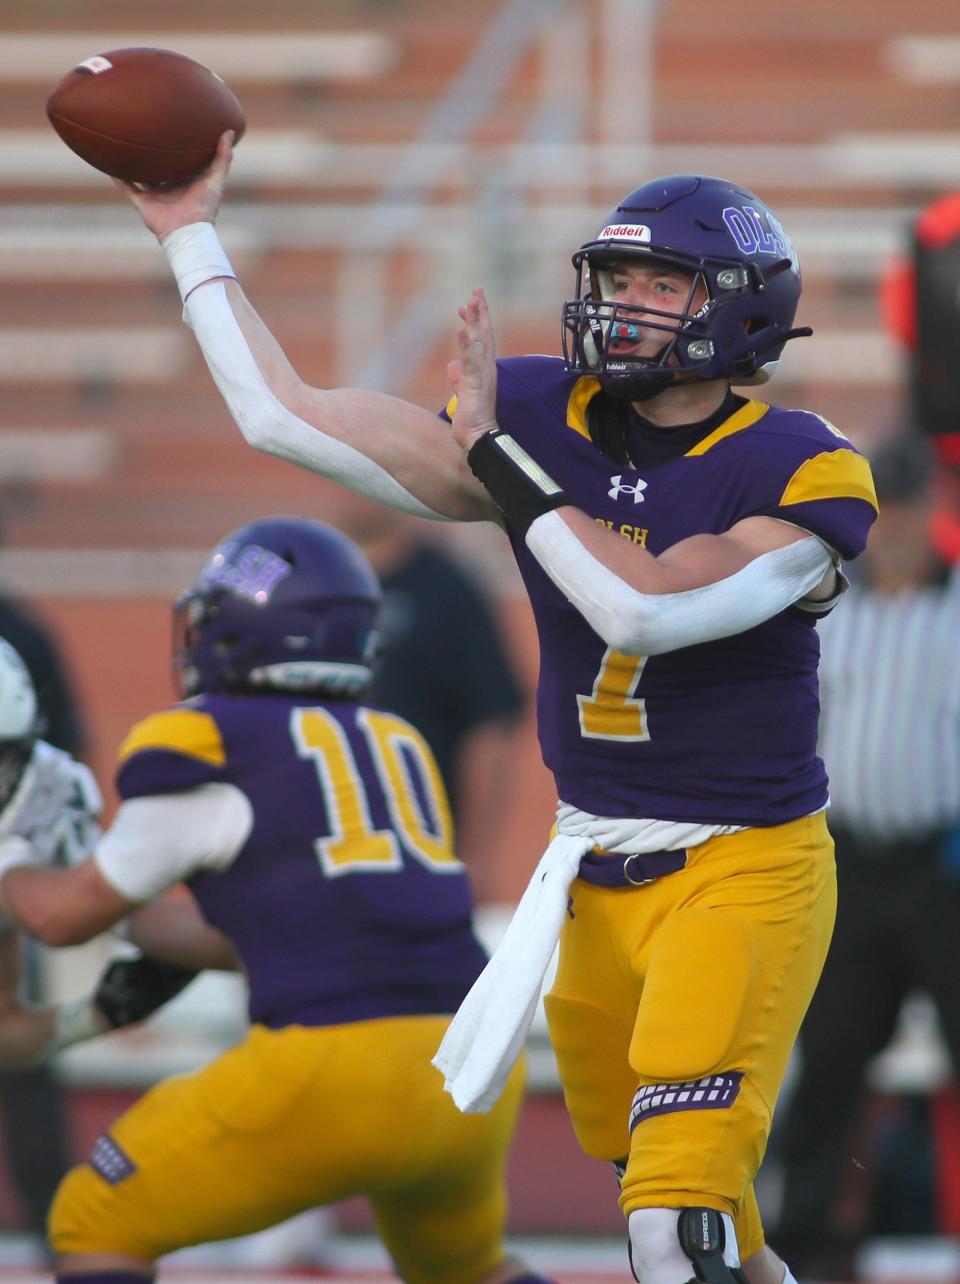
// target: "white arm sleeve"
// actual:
[[156, 842], [265, 421], [637, 623]]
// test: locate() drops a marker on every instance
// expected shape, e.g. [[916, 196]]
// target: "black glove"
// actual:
[[130, 990]]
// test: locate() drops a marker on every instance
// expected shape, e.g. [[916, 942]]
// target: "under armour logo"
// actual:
[[617, 489]]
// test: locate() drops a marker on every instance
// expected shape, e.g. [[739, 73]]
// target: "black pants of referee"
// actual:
[[898, 921]]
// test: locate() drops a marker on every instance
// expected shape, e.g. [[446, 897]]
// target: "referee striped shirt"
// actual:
[[890, 722]]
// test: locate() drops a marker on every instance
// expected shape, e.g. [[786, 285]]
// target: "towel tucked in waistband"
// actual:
[[487, 1034], [485, 1038]]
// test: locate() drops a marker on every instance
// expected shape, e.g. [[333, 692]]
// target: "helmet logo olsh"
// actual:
[[757, 232], [252, 572]]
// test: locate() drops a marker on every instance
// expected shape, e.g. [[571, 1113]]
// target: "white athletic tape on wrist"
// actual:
[[75, 1023], [195, 255]]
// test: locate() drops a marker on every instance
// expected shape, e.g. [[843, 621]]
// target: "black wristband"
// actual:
[[517, 484], [132, 989]]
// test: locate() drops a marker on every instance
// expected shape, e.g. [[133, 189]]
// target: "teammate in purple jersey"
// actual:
[[677, 541], [314, 834]]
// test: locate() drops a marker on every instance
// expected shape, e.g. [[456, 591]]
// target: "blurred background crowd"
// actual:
[[398, 152]]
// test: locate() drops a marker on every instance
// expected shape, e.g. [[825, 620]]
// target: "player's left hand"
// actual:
[[130, 990], [473, 378]]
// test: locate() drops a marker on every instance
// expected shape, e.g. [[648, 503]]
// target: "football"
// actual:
[[144, 115]]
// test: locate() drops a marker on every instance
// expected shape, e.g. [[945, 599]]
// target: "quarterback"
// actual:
[[677, 540]]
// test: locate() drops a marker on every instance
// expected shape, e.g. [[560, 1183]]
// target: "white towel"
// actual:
[[487, 1034]]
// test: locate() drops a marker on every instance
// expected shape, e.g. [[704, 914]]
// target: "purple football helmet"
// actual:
[[742, 265], [283, 604]]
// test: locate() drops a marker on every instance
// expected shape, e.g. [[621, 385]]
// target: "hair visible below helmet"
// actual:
[[19, 720], [736, 250], [283, 604]]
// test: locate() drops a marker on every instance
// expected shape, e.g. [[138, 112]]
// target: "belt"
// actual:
[[605, 870]]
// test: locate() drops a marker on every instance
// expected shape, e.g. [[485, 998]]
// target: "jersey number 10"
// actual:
[[397, 749]]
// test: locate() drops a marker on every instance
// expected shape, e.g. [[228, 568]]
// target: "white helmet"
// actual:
[[18, 720], [18, 700]]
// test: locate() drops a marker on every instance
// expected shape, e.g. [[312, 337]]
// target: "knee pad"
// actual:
[[683, 1246]]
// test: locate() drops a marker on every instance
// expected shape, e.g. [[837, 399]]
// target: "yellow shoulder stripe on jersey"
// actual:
[[743, 418], [834, 474], [185, 731], [450, 408], [584, 390]]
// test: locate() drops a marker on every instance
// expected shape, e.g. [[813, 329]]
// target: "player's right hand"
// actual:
[[164, 209], [130, 990]]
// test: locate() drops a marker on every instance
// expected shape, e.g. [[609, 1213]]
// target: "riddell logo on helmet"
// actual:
[[624, 232]]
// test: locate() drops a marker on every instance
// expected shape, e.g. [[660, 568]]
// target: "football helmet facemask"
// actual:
[[741, 265], [283, 604], [19, 720]]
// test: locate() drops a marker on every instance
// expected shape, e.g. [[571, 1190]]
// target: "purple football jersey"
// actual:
[[724, 732], [346, 902]]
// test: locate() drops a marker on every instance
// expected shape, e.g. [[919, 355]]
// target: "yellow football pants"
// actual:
[[296, 1118], [705, 972]]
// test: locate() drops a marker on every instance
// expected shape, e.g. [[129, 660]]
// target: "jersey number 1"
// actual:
[[611, 711]]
